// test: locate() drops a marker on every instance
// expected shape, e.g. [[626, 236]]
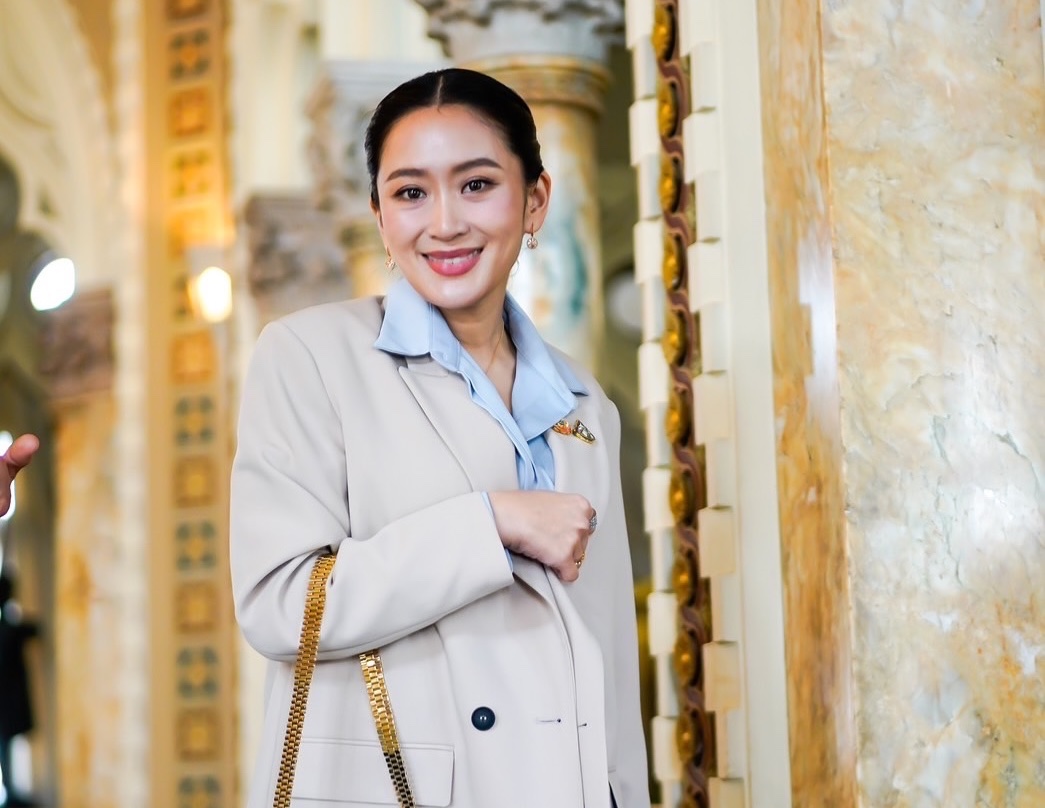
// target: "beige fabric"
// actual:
[[382, 460]]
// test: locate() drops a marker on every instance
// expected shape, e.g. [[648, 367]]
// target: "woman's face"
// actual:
[[454, 207]]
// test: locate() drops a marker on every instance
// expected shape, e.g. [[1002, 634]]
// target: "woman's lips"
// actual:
[[451, 263]]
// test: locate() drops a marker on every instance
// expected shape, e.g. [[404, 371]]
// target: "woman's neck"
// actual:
[[479, 331]]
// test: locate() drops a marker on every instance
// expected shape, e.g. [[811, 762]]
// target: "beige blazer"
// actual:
[[382, 459]]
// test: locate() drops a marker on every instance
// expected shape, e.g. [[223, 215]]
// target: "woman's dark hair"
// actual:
[[488, 98]]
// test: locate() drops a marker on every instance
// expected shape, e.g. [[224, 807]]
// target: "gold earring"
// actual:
[[531, 242], [390, 262]]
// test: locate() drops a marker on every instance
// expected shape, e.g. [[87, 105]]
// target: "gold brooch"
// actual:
[[578, 430]]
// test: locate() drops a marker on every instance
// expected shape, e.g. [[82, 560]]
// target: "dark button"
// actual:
[[483, 718]]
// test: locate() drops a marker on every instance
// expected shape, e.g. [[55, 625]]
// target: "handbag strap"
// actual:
[[304, 665], [381, 709], [377, 691]]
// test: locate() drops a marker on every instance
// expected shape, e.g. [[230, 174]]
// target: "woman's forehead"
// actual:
[[442, 136]]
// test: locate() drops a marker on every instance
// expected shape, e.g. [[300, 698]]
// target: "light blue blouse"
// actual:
[[545, 389]]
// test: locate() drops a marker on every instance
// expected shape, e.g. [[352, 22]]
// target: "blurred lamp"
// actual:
[[212, 294], [210, 286], [54, 284]]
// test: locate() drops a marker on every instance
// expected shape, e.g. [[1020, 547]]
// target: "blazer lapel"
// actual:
[[474, 437], [487, 456]]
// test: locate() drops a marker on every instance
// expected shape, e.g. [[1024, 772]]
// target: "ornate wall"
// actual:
[[192, 632]]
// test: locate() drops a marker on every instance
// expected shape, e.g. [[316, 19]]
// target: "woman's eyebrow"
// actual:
[[460, 168]]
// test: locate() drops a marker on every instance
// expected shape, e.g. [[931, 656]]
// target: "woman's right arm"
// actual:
[[289, 504]]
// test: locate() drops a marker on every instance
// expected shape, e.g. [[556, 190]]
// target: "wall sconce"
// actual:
[[210, 285]]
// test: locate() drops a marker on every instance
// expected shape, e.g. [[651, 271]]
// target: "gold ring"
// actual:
[[580, 560]]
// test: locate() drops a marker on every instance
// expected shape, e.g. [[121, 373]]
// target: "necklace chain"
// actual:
[[496, 345]]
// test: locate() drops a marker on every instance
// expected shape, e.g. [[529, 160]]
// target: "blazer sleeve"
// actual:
[[289, 504]]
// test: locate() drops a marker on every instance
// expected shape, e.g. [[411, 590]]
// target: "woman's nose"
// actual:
[[447, 221]]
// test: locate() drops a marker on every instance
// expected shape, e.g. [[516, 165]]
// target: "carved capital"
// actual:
[[562, 80], [340, 107], [473, 30], [291, 244], [76, 355], [295, 259]]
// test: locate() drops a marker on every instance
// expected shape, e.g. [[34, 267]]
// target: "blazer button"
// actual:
[[483, 718]]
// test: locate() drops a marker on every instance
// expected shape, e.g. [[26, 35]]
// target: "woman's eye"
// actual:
[[476, 185], [413, 194]]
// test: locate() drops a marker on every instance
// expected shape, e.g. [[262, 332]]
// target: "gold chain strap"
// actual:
[[377, 691], [308, 648], [381, 709]]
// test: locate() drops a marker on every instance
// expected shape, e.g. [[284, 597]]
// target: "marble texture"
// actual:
[[91, 676], [935, 121], [806, 405]]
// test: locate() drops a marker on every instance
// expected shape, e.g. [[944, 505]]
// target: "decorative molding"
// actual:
[[195, 704], [476, 29], [441, 12], [551, 79], [77, 346], [688, 485], [132, 728]]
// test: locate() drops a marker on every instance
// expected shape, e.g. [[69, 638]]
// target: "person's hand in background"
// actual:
[[15, 459]]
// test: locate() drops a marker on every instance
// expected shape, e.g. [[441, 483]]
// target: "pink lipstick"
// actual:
[[451, 263]]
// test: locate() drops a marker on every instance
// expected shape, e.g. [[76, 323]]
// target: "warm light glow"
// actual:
[[54, 284], [213, 294]]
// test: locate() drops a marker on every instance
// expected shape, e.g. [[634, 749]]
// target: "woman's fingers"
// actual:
[[548, 526], [14, 460], [20, 453]]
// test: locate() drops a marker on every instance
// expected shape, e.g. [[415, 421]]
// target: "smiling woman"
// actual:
[[452, 206], [464, 475]]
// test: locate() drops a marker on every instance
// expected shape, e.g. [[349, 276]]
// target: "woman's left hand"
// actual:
[[14, 460]]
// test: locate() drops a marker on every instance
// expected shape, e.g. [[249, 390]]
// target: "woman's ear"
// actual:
[[377, 215], [537, 200]]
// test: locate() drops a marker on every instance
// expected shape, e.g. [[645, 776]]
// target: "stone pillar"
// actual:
[[77, 367], [554, 55], [937, 259], [340, 108]]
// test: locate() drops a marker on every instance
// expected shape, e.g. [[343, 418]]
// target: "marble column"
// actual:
[[77, 367], [934, 130], [554, 55], [339, 108], [903, 162]]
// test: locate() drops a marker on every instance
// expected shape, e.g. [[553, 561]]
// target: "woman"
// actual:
[[467, 476]]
